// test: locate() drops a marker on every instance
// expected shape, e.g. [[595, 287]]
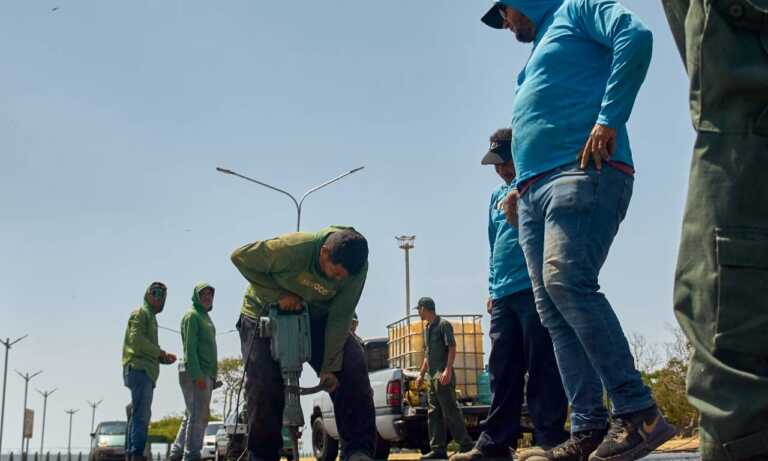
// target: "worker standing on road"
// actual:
[[353, 331], [519, 343], [142, 357], [721, 282], [443, 412], [197, 373], [325, 273], [575, 177]]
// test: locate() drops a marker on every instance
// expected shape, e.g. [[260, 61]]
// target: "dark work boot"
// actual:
[[576, 448], [634, 435]]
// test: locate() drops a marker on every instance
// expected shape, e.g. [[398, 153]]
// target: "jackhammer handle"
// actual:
[[312, 390]]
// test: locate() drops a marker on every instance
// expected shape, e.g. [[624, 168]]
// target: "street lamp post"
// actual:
[[406, 244], [8, 344], [45, 395], [26, 377], [69, 441], [298, 203], [93, 406]]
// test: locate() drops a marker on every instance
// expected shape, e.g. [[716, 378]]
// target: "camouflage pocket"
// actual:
[[742, 290]]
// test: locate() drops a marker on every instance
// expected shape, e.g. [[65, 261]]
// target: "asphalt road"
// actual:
[[681, 456]]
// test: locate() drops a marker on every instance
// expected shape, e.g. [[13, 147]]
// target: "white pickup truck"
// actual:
[[401, 412]]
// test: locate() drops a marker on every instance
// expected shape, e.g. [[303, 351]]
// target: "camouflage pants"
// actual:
[[721, 282], [721, 295]]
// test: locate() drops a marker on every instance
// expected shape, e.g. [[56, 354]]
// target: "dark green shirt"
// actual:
[[289, 263], [438, 338]]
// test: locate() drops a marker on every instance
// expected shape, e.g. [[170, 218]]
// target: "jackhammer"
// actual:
[[291, 345]]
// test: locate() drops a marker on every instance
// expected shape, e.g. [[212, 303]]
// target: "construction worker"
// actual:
[[575, 177], [197, 373], [353, 331], [519, 343], [142, 357], [721, 282], [439, 355], [323, 272]]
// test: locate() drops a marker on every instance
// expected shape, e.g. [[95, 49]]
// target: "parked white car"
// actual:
[[209, 440]]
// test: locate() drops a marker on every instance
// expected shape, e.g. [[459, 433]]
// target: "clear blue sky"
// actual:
[[113, 116]]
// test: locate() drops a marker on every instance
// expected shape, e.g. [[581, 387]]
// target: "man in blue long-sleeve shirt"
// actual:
[[519, 343], [574, 178]]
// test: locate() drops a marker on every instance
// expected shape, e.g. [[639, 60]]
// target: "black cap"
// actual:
[[499, 152], [426, 303], [493, 17]]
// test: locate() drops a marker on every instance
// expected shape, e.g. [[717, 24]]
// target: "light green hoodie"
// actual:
[[140, 347], [198, 335]]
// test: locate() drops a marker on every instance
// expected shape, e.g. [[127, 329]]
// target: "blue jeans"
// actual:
[[141, 387], [189, 440], [568, 220], [520, 345]]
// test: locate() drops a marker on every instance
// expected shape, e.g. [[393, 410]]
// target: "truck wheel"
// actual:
[[380, 448], [324, 447]]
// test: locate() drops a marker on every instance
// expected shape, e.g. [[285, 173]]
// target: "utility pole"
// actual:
[[69, 442], [406, 244], [8, 344], [93, 406], [297, 203], [45, 395], [26, 377]]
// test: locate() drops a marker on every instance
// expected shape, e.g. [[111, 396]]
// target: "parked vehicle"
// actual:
[[231, 440], [221, 444], [401, 410], [108, 441], [209, 440]]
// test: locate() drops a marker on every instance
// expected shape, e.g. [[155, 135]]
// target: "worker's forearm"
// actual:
[[423, 369], [451, 358]]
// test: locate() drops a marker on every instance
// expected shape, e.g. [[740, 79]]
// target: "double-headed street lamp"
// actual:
[[8, 344], [69, 440], [298, 203], [45, 395], [93, 406], [26, 377]]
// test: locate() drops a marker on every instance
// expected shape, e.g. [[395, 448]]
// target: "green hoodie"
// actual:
[[289, 263], [140, 347], [198, 334]]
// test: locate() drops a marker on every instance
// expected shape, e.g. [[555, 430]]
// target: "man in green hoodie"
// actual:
[[323, 272], [142, 357], [197, 373]]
